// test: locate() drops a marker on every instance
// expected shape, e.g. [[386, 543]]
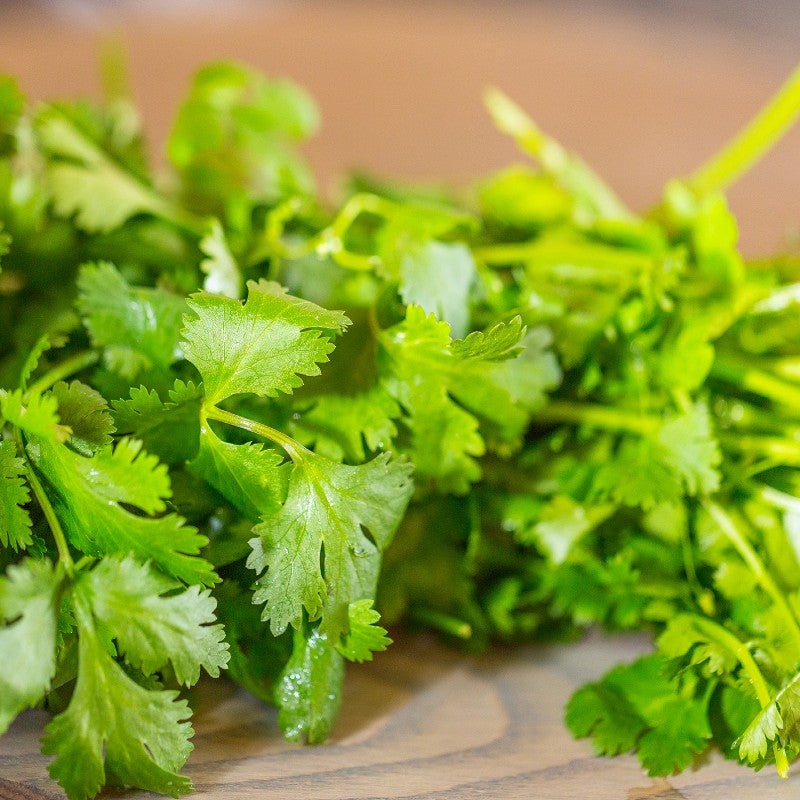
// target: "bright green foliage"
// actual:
[[347, 427], [252, 478], [152, 625], [599, 411], [365, 636], [350, 513], [125, 734], [169, 430], [429, 376], [86, 182], [88, 494], [85, 412], [36, 415], [15, 521], [308, 692], [636, 705], [138, 328], [28, 614], [261, 347], [223, 274]]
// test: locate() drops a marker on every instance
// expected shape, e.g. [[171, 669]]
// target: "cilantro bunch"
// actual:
[[243, 430]]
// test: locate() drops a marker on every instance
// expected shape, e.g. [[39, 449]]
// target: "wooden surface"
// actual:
[[399, 84]]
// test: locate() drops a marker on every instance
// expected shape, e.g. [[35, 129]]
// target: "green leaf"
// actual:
[[637, 705], [15, 521], [154, 626], [123, 733], [233, 136], [637, 476], [139, 328], [252, 478], [438, 277], [38, 415], [29, 607], [87, 183], [223, 275], [350, 514], [259, 347], [348, 426], [364, 636], [563, 523], [690, 448], [171, 430], [85, 412], [309, 692], [753, 743], [426, 373], [88, 497]]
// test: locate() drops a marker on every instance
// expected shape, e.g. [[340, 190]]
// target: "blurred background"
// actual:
[[644, 89]]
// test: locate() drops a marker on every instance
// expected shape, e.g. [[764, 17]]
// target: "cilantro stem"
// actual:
[[598, 416], [295, 450], [64, 556], [567, 168], [737, 538], [757, 382], [69, 366], [443, 622], [752, 143], [739, 648]]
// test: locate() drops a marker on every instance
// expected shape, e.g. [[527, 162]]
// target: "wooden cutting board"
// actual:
[[643, 98]]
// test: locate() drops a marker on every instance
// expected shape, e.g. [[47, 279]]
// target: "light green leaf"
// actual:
[[223, 275], [15, 521], [89, 491], [259, 347], [350, 513], [365, 636], [28, 606], [138, 327], [154, 626], [121, 731], [252, 478]]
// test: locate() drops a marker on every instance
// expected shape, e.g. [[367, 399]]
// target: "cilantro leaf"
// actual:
[[438, 277], [15, 521], [85, 412], [36, 415], [171, 430], [87, 182], [636, 705], [125, 734], [29, 606], [89, 493], [348, 426], [350, 514], [364, 636], [154, 626], [139, 328], [223, 275], [251, 477], [691, 449], [259, 347], [308, 692]]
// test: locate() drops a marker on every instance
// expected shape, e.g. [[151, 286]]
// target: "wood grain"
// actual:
[[399, 86]]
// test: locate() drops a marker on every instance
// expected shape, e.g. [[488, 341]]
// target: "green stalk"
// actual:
[[737, 538], [76, 363], [64, 556], [295, 450], [724, 637], [566, 168], [758, 382], [598, 416], [443, 622], [752, 143]]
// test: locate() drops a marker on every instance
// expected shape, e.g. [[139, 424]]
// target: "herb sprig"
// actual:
[[240, 429]]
